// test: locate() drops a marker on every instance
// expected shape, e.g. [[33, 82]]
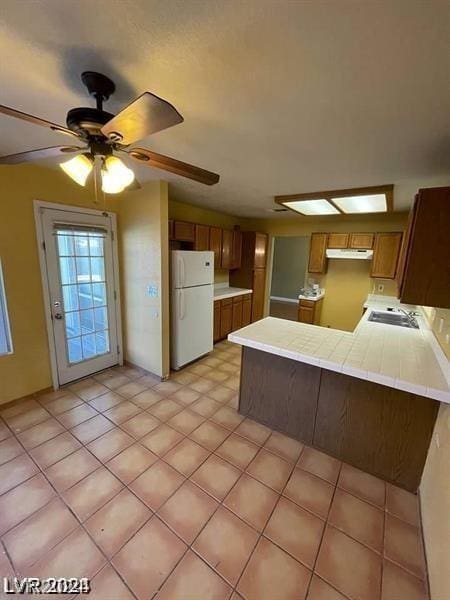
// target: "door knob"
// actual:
[[58, 316]]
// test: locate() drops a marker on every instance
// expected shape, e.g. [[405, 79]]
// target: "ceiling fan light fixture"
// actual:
[[115, 176], [78, 168]]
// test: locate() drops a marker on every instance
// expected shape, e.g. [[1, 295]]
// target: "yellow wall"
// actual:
[[28, 368], [196, 214], [346, 283], [435, 506], [143, 248]]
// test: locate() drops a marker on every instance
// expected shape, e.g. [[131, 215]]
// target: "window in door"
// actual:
[[81, 256], [5, 332]]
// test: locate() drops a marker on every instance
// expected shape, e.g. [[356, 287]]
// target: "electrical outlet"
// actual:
[[380, 287], [441, 325], [437, 440]]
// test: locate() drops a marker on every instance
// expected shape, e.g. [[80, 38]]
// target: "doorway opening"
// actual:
[[289, 274]]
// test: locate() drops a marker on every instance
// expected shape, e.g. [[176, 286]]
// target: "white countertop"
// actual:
[[312, 298], [221, 292], [398, 357]]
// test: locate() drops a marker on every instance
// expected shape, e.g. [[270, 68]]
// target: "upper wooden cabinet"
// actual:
[[201, 237], [184, 231], [361, 241], [385, 254], [215, 245], [236, 253], [424, 272], [227, 245], [338, 240], [317, 253], [260, 250]]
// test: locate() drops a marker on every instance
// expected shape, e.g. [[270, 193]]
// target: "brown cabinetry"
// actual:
[[424, 272], [385, 254], [201, 237], [226, 317], [227, 244], [361, 241], [236, 322], [338, 240], [215, 245], [216, 332], [252, 273], [246, 310], [184, 231], [309, 311], [236, 252], [317, 253]]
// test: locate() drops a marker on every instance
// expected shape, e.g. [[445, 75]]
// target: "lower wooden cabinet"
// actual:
[[246, 310], [309, 311], [216, 332], [259, 284], [231, 314], [226, 317]]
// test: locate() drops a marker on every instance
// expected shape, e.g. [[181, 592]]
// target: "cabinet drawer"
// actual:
[[237, 299], [247, 298], [307, 303], [226, 302]]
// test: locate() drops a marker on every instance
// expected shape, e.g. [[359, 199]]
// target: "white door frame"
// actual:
[[38, 205]]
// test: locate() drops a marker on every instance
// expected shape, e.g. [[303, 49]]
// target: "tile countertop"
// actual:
[[312, 298], [401, 358], [221, 292]]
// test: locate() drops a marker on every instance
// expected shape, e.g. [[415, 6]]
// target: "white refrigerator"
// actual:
[[192, 277]]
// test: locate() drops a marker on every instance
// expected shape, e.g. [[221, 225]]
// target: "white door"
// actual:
[[190, 268], [82, 290], [192, 324]]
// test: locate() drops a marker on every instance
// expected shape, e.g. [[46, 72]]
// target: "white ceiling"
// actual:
[[278, 96]]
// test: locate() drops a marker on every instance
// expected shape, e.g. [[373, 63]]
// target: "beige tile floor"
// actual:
[[163, 490]]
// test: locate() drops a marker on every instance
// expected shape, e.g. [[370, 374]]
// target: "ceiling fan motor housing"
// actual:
[[87, 121]]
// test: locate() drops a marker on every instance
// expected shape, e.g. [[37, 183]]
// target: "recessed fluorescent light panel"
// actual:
[[312, 207], [372, 203]]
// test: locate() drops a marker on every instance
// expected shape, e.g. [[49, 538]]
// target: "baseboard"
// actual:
[[281, 299]]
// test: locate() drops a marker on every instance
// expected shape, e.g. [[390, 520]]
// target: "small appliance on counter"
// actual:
[[311, 291], [192, 278]]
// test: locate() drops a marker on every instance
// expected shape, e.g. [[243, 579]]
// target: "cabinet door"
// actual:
[[236, 253], [385, 255], [201, 237], [226, 317], [426, 279], [260, 250], [237, 313], [338, 240], [184, 231], [317, 249], [259, 282], [227, 243], [306, 314], [215, 244], [361, 241], [171, 229], [247, 310], [216, 335], [406, 243]]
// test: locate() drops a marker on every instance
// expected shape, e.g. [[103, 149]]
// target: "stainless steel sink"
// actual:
[[393, 318]]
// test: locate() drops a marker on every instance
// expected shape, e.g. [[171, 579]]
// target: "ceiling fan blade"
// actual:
[[40, 154], [159, 161], [12, 112], [145, 115]]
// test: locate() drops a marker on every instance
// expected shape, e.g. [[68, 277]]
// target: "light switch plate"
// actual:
[[152, 291]]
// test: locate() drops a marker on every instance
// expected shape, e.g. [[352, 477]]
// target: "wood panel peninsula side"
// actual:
[[351, 395]]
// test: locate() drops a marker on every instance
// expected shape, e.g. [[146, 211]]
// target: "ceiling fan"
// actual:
[[106, 135]]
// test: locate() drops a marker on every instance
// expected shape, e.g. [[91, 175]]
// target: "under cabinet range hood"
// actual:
[[350, 253]]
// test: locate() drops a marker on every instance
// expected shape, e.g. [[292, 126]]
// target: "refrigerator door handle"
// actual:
[[181, 271], [181, 305]]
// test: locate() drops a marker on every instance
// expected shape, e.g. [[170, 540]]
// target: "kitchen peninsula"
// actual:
[[369, 397]]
